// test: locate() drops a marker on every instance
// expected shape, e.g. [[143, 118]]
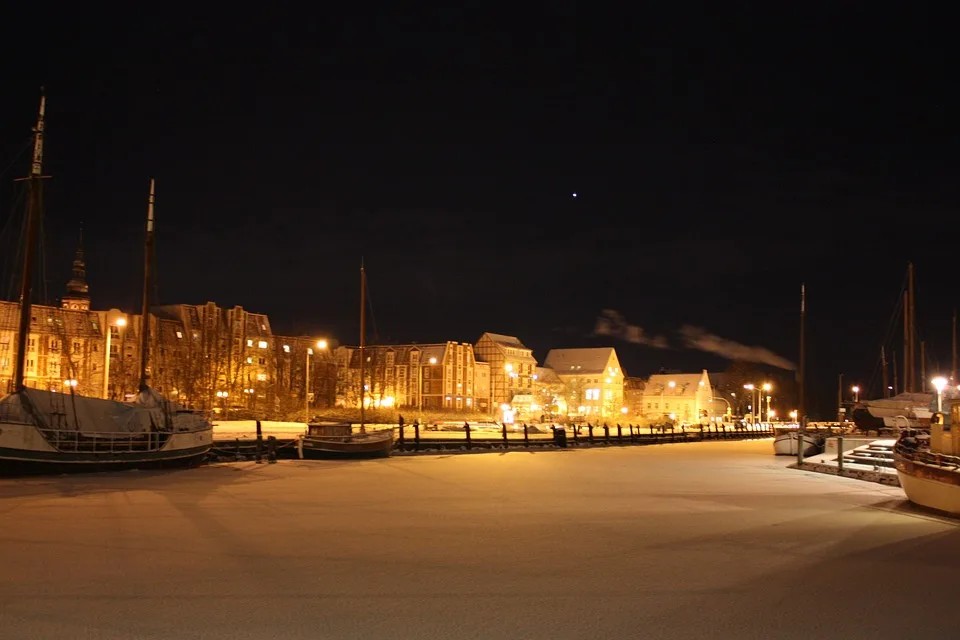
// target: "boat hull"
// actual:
[[25, 451], [928, 485], [347, 447], [785, 444]]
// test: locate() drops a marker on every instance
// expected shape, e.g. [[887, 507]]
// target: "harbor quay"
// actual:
[[677, 541]]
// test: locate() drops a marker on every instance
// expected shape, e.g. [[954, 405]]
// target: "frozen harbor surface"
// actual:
[[698, 540]]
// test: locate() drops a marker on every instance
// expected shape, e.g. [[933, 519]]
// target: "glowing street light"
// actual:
[[767, 387], [119, 322], [939, 383], [321, 344], [420, 393], [793, 415], [753, 407], [856, 393]]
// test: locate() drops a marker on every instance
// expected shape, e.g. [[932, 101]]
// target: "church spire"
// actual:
[[78, 293]]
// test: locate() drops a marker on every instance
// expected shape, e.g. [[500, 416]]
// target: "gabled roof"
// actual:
[[685, 384], [507, 341], [568, 361], [546, 375]]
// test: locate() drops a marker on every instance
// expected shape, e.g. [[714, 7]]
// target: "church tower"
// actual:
[[78, 293]]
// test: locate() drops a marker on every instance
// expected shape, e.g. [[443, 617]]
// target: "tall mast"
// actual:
[[886, 375], [801, 412], [363, 332], [913, 331], [953, 368], [906, 342], [923, 366], [145, 310], [34, 193], [896, 383]]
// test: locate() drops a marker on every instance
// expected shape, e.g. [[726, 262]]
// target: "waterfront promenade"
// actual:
[[694, 540]]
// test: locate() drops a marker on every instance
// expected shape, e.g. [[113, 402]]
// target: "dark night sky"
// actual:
[[720, 157]]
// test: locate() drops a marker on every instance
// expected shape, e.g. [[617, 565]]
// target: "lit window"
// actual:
[[249, 360], [249, 343], [262, 344], [286, 348], [179, 334], [261, 377]]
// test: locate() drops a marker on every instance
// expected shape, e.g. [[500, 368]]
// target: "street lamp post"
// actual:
[[939, 383], [121, 322], [766, 387], [420, 387], [856, 393], [753, 407]]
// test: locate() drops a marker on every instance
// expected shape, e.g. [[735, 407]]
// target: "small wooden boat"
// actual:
[[785, 442], [337, 440]]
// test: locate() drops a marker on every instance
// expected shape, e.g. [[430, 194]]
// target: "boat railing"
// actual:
[[104, 442], [928, 457]]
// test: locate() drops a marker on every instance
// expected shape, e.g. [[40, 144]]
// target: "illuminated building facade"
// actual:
[[512, 366], [686, 398], [434, 376], [592, 378]]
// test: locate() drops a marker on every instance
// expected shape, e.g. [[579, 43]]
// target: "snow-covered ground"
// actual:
[[696, 540]]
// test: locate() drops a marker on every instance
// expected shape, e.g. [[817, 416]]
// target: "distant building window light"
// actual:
[[286, 348], [249, 343], [179, 334], [262, 344]]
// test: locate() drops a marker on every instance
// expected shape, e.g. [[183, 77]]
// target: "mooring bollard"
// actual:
[[619, 434], [272, 449], [466, 427], [839, 453], [259, 457], [526, 435], [590, 433], [504, 430], [400, 435], [239, 458], [416, 436]]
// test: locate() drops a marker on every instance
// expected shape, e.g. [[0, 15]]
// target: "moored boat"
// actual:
[[46, 431], [337, 440], [928, 463]]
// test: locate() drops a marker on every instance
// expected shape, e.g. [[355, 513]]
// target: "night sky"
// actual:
[[720, 157]]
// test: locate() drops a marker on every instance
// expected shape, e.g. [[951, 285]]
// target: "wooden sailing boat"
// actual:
[[337, 440], [44, 431], [786, 438]]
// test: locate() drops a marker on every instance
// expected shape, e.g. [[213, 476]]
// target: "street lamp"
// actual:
[[856, 393], [939, 383], [766, 387], [420, 388], [121, 322], [793, 415], [753, 407]]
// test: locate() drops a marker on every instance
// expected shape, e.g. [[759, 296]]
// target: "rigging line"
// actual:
[[26, 146], [888, 337], [373, 317]]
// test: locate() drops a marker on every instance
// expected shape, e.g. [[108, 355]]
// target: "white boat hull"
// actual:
[[25, 449], [933, 494], [785, 444]]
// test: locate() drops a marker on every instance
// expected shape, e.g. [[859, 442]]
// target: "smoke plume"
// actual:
[[611, 323], [697, 338]]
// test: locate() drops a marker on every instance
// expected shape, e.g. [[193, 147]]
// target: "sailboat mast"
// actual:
[[886, 375], [953, 369], [363, 333], [34, 194], [801, 409], [923, 366], [145, 311], [906, 342], [896, 382], [913, 332]]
